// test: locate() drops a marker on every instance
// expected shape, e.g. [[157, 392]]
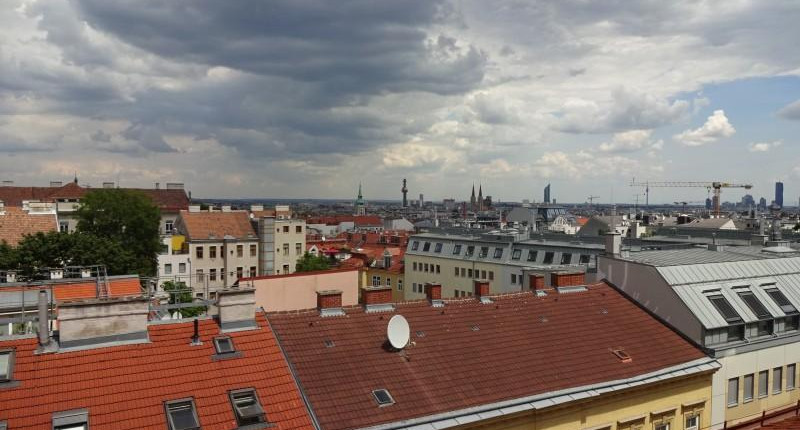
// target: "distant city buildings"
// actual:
[[547, 193]]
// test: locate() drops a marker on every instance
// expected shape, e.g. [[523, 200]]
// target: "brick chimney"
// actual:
[[329, 299], [434, 293], [377, 299], [96, 322], [482, 291], [536, 281], [567, 279], [237, 309]]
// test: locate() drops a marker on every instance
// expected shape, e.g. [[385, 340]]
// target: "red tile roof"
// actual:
[[471, 354], [78, 289], [15, 223], [166, 200], [203, 225], [357, 220], [792, 423], [125, 387]]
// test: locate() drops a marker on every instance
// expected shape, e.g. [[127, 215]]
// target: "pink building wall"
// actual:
[[299, 290]]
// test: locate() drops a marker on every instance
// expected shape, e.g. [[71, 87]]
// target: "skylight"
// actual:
[[246, 407], [725, 309], [456, 249], [329, 343], [6, 365], [224, 345], [383, 397], [181, 415], [781, 300], [752, 302], [77, 419]]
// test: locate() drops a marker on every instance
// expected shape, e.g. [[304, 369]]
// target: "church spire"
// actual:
[[360, 197], [472, 198], [480, 197]]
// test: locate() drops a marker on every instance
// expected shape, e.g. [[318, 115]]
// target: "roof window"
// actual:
[[752, 302], [516, 254], [426, 247], [246, 407], [329, 343], [182, 415], [457, 249], [622, 355], [470, 250], [498, 252], [781, 300], [6, 365], [484, 252], [77, 419], [437, 247], [383, 397], [224, 345], [414, 245], [725, 309]]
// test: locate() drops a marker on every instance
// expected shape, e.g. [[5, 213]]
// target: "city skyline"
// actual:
[[296, 100]]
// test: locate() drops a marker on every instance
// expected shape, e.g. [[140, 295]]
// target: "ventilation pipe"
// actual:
[[44, 319]]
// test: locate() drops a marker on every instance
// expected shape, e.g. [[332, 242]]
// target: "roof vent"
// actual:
[[571, 289], [382, 397], [622, 355]]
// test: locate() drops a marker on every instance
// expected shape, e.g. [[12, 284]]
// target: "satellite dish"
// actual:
[[398, 332]]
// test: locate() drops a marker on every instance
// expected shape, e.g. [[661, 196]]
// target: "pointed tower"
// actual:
[[480, 197], [405, 194], [361, 207], [472, 198]]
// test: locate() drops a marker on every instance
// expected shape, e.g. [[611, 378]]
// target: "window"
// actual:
[[286, 229], [692, 422], [376, 281], [484, 252], [399, 285], [791, 323], [181, 267], [254, 251], [246, 407], [224, 345], [168, 269], [253, 271], [513, 278], [662, 426], [763, 383], [463, 272], [498, 252], [483, 274], [383, 397], [791, 374], [470, 251], [438, 247], [240, 250], [63, 226], [469, 273], [566, 258], [736, 332], [6, 365], [781, 301], [212, 275], [198, 252], [414, 245], [532, 255], [457, 249], [438, 269], [456, 271], [425, 269], [286, 268], [298, 229], [415, 265], [388, 282], [748, 387], [199, 273], [516, 254], [298, 248], [182, 415], [752, 302], [584, 259], [733, 392], [725, 309], [426, 247], [548, 257], [285, 249], [777, 380], [77, 419], [239, 272], [491, 275], [212, 252]]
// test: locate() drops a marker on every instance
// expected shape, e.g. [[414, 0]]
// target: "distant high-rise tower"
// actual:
[[421, 200], [547, 194], [405, 194], [361, 206], [779, 194]]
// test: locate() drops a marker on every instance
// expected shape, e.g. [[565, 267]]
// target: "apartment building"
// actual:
[[577, 357], [17, 222], [502, 260], [739, 303], [282, 241], [222, 247]]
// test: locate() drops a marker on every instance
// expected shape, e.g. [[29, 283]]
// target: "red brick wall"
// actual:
[[330, 300], [373, 296], [433, 291], [567, 279], [481, 288], [537, 281]]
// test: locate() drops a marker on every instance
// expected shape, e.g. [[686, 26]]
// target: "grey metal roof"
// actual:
[[13, 300], [698, 256]]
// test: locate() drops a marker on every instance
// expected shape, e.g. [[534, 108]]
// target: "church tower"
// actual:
[[361, 206], [480, 197], [472, 199]]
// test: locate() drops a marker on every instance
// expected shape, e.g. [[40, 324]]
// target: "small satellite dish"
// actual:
[[398, 332]]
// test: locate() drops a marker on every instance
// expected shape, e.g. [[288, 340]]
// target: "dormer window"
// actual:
[[6, 365], [725, 309], [426, 247], [224, 345], [781, 300], [438, 247], [414, 245], [246, 407], [756, 306], [457, 249]]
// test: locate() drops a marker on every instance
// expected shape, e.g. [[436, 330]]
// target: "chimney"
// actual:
[[174, 185], [226, 208], [613, 244], [434, 293], [44, 319], [256, 207], [108, 185], [536, 281], [482, 291], [194, 208], [237, 309], [11, 277], [158, 185], [55, 183], [56, 274], [567, 279], [378, 299], [98, 322], [329, 303], [86, 273]]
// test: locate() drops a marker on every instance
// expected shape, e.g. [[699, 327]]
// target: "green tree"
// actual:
[[8, 256], [128, 217], [180, 293], [309, 262]]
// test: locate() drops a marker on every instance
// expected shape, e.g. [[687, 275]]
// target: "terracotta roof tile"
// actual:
[[125, 387], [168, 200], [203, 225], [524, 345], [15, 223]]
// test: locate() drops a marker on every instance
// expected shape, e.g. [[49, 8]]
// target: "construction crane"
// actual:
[[716, 187], [591, 199]]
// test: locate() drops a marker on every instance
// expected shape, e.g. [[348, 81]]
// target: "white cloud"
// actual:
[[630, 141], [764, 146], [790, 111], [715, 128], [585, 164]]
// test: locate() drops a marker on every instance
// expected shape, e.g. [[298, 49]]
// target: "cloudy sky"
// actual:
[[305, 98]]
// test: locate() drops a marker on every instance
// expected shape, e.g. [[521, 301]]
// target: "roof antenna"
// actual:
[[196, 335], [76, 177]]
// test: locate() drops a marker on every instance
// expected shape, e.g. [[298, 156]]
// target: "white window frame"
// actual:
[[177, 402]]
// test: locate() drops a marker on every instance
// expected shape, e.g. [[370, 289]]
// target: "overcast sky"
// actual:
[[305, 98]]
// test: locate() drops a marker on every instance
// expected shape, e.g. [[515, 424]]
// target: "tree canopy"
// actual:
[[309, 262]]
